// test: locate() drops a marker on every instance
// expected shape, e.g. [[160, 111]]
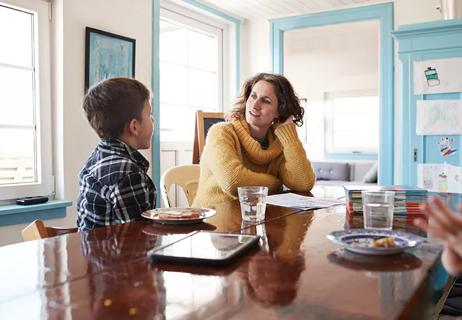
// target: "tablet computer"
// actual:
[[205, 247]]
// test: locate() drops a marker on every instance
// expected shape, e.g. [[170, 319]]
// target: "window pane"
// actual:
[[15, 37], [188, 77], [203, 90], [174, 43], [16, 97], [354, 124], [203, 51], [177, 123], [17, 163], [174, 84]]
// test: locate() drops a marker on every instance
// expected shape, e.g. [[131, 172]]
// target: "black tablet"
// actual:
[[205, 247]]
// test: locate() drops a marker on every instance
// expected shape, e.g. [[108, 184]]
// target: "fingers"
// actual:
[[433, 230], [444, 223], [446, 212], [442, 217]]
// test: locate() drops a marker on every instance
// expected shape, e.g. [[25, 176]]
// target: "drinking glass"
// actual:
[[253, 205], [378, 209]]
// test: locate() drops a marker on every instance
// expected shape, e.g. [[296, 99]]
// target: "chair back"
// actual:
[[204, 120], [37, 230], [186, 177]]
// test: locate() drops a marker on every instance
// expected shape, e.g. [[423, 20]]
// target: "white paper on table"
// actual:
[[446, 76], [292, 200], [439, 177], [439, 117]]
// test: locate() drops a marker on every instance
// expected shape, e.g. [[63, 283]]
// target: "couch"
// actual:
[[346, 172]]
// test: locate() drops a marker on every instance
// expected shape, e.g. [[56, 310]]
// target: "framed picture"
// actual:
[[107, 55]]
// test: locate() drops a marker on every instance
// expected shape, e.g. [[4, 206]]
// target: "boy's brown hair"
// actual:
[[112, 103]]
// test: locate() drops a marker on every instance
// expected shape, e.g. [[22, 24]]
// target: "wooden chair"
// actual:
[[37, 230], [186, 176], [204, 120]]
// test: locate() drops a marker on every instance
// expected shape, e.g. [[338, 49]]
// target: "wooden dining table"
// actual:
[[294, 273]]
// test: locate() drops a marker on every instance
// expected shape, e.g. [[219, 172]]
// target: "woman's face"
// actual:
[[261, 107]]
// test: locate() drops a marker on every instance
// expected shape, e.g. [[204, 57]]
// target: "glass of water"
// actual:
[[253, 205], [378, 209]]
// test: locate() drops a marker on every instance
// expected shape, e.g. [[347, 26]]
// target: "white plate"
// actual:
[[360, 241], [154, 215]]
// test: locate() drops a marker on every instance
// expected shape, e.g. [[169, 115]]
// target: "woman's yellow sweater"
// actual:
[[232, 158]]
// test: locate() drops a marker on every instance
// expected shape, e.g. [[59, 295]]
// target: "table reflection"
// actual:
[[272, 274]]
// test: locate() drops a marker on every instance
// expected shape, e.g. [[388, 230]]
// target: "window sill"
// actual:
[[350, 156], [15, 214]]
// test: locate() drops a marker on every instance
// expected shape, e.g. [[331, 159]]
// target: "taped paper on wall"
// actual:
[[437, 76], [438, 117], [439, 177], [447, 148]]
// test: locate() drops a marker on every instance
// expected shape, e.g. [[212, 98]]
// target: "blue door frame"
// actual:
[[384, 14]]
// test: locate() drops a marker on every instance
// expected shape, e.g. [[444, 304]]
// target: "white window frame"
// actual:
[[202, 23], [43, 157], [328, 120]]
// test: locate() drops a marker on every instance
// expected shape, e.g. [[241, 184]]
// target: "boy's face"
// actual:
[[146, 127]]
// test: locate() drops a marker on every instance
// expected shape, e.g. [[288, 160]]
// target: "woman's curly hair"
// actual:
[[288, 102]]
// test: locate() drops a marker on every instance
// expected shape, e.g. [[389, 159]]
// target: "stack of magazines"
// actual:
[[407, 198]]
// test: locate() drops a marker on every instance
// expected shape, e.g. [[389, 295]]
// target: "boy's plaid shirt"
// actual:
[[114, 186]]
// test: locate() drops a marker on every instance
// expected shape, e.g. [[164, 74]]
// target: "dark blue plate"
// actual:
[[361, 240]]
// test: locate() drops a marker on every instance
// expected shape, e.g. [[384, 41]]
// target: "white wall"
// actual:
[[256, 54], [72, 137], [315, 66]]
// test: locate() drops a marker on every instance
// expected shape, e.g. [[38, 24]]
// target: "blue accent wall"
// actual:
[[384, 14], [420, 42]]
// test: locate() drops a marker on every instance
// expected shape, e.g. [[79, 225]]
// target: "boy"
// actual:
[[114, 185]]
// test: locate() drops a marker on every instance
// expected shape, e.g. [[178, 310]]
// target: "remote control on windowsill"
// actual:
[[31, 200]]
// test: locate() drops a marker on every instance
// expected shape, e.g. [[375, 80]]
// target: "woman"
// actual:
[[257, 146]]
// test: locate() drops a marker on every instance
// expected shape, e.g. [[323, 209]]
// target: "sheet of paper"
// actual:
[[439, 177], [292, 200], [437, 76], [439, 117]]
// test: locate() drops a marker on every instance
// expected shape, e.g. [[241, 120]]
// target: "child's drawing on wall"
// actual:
[[443, 182], [446, 146], [432, 77]]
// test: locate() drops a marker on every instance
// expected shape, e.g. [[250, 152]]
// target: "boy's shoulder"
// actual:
[[108, 164]]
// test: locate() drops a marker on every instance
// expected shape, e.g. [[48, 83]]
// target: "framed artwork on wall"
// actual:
[[107, 55]]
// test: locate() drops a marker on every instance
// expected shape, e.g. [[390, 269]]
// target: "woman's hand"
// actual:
[[277, 124], [447, 226]]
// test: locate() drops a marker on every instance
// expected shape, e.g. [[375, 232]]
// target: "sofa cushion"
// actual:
[[371, 175], [331, 170]]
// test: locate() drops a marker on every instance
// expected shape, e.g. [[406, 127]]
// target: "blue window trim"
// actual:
[[155, 77], [381, 12], [15, 214], [350, 156], [155, 83]]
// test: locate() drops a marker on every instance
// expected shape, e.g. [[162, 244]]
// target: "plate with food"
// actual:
[[374, 242], [178, 215]]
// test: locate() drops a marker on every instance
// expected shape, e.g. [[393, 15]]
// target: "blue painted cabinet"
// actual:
[[421, 42]]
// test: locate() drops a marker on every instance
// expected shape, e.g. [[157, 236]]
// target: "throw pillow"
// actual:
[[371, 174]]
